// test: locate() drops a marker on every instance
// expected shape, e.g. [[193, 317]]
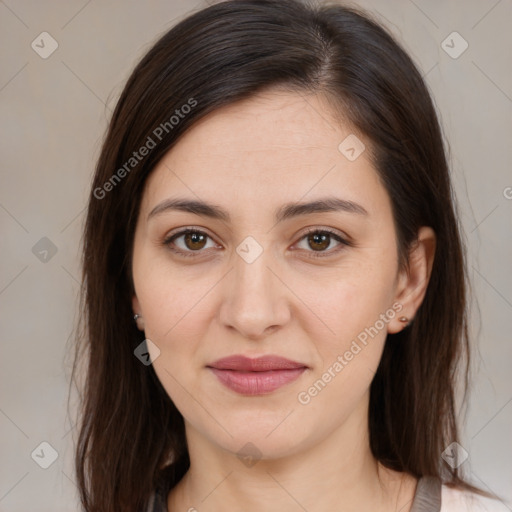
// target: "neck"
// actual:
[[337, 473]]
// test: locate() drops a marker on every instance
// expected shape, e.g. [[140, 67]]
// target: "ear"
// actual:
[[413, 283]]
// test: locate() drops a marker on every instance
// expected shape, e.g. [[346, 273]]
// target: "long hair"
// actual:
[[130, 435]]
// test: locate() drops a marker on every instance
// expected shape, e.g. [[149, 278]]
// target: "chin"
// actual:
[[262, 436]]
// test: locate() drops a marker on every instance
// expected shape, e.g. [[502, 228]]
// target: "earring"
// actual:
[[139, 321], [405, 321]]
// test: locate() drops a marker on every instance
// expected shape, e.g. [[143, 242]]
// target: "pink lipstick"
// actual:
[[257, 376]]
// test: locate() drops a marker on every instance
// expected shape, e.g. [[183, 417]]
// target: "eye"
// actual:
[[193, 241], [319, 240]]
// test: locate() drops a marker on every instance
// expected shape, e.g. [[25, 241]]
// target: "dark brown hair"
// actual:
[[131, 436]]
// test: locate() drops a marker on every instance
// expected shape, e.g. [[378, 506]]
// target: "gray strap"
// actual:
[[159, 503], [428, 495], [151, 504]]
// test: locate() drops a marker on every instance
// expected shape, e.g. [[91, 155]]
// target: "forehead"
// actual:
[[277, 123], [273, 146]]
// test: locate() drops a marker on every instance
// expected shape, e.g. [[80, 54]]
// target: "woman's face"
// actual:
[[254, 282]]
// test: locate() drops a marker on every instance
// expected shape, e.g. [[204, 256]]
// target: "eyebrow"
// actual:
[[287, 211]]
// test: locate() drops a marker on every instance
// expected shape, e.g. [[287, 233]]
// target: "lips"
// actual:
[[262, 375], [259, 364]]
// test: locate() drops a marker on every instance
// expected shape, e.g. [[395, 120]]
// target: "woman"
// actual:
[[274, 279]]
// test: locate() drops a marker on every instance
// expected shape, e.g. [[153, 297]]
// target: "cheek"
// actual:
[[175, 321], [355, 308], [348, 359], [345, 302], [173, 302], [173, 310]]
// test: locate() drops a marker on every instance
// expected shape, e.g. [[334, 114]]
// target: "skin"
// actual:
[[250, 158]]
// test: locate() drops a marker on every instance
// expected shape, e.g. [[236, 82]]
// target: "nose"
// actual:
[[255, 300]]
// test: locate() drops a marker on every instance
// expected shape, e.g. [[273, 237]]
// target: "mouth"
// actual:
[[256, 376]]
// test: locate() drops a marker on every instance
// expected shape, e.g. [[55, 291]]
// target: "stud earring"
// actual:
[[139, 321], [403, 319]]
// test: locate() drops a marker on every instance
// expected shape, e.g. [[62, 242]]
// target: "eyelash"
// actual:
[[314, 254]]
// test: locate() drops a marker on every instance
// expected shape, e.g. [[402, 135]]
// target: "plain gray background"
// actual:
[[54, 112]]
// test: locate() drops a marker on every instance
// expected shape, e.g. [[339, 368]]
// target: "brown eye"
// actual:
[[195, 240], [188, 242], [319, 241], [316, 242]]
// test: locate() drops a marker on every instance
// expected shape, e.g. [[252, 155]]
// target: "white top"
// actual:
[[455, 500]]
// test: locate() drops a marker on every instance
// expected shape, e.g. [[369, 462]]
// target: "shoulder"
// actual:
[[457, 500]]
